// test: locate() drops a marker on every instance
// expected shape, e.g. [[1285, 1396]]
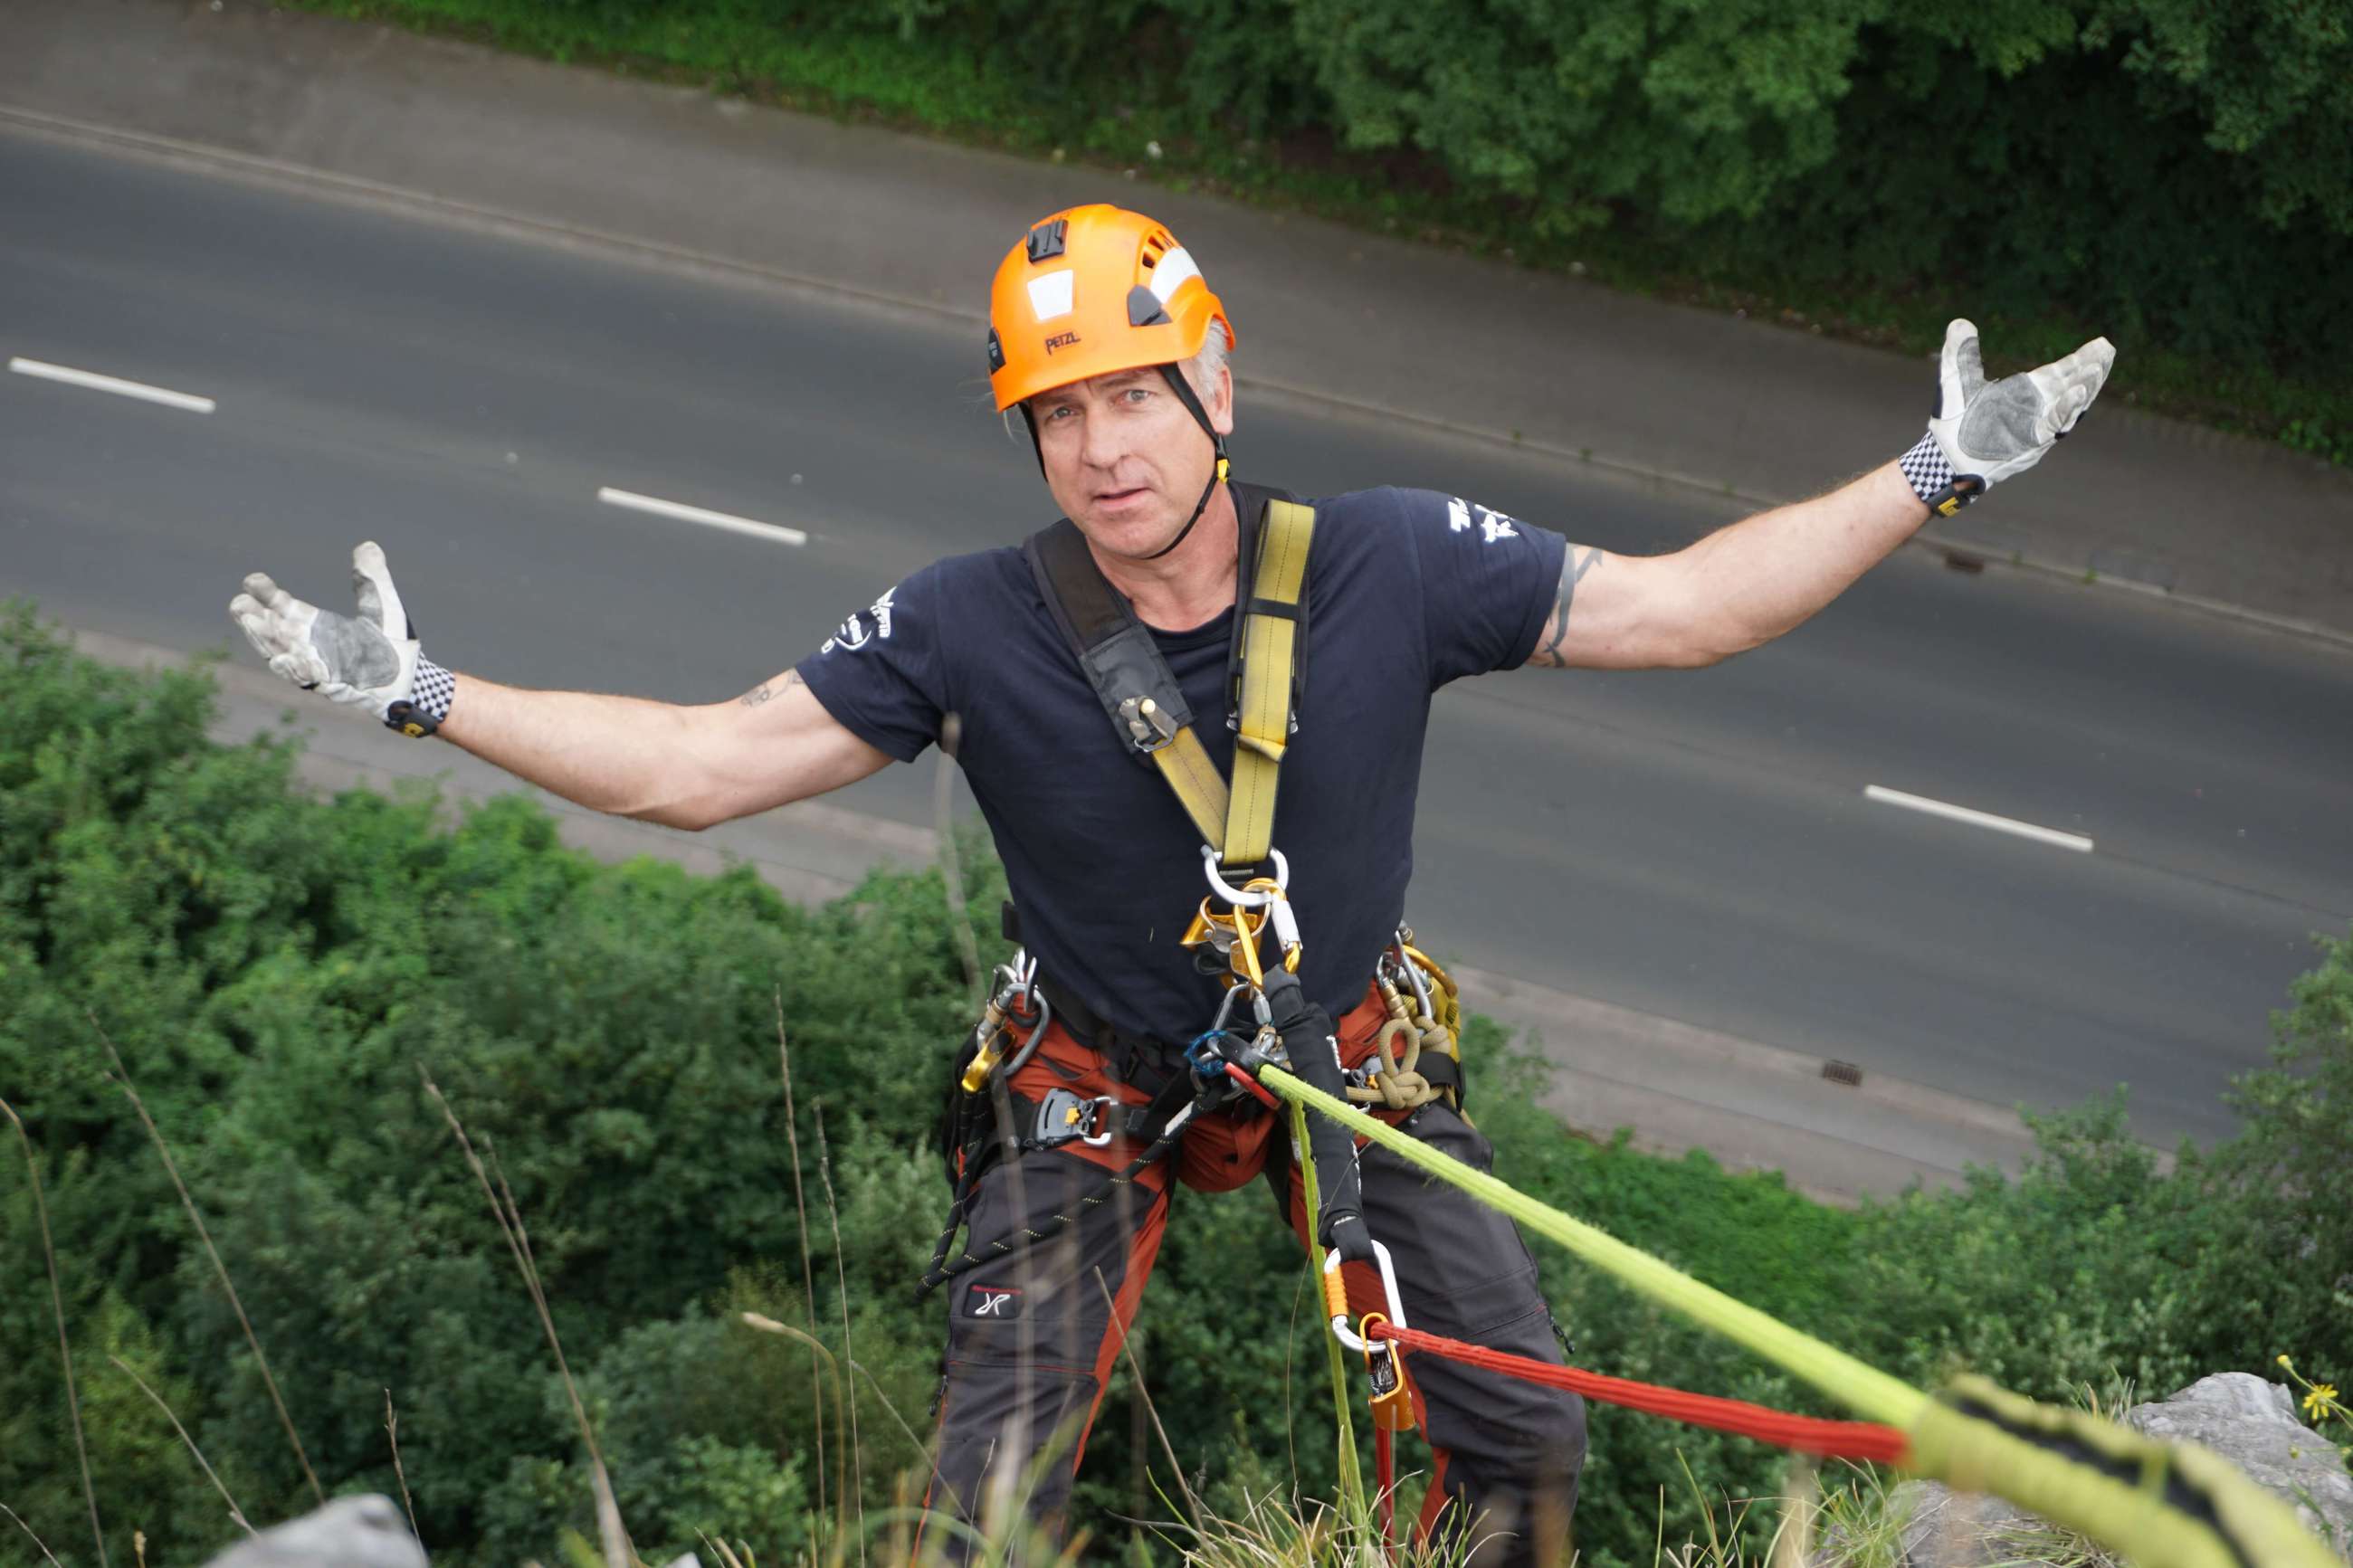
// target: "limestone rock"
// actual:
[[2248, 1421], [2252, 1424], [348, 1532], [1942, 1529]]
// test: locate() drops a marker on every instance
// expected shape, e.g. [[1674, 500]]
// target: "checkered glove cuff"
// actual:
[[433, 688], [1926, 468]]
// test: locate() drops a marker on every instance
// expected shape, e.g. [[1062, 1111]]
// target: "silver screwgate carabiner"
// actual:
[[1021, 999], [1340, 1328], [1276, 904], [1413, 974], [1236, 896], [1382, 1364]]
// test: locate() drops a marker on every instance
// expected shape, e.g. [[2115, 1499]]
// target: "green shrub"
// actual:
[[276, 969], [2283, 1190]]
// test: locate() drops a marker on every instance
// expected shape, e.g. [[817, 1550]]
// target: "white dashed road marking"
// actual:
[[116, 385], [685, 513], [2075, 841]]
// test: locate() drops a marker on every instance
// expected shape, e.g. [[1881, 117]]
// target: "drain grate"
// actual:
[[1846, 1073]]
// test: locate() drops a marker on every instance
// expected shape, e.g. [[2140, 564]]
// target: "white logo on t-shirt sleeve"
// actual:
[[1492, 524], [866, 626]]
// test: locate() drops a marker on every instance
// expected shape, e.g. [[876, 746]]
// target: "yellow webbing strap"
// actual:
[[2183, 1507], [1191, 773], [1270, 643]]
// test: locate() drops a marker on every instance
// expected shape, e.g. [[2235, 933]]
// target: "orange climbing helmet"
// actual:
[[1091, 290]]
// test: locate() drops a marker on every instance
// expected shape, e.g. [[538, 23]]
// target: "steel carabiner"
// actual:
[[1241, 897], [1336, 1296]]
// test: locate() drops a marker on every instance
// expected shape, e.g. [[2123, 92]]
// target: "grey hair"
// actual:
[[1202, 368]]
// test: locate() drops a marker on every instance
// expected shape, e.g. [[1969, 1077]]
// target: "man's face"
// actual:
[[1124, 460]]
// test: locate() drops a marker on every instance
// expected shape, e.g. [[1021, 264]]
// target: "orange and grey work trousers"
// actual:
[[1032, 1337]]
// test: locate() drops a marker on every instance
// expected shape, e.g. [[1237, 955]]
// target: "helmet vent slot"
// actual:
[[1144, 308]]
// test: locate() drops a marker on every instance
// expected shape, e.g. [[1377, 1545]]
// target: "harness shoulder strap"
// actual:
[[1132, 682], [1124, 665], [1266, 711]]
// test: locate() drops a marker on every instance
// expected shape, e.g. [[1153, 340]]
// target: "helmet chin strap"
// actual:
[[1192, 402], [1184, 395]]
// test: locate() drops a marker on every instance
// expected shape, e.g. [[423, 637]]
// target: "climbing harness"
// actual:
[[1059, 1119], [1149, 714]]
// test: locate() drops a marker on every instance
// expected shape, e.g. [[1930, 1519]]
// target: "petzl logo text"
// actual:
[[1060, 341], [992, 1301]]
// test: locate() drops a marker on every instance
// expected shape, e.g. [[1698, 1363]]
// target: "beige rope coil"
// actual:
[[1395, 1086]]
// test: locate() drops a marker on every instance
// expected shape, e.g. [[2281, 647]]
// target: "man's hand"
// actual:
[[1983, 433], [370, 661]]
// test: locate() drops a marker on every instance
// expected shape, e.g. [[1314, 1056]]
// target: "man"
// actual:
[[1107, 340]]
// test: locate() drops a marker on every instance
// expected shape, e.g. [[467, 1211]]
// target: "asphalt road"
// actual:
[[1696, 846]]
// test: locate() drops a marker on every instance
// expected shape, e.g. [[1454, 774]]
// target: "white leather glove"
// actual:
[[370, 661], [1982, 432]]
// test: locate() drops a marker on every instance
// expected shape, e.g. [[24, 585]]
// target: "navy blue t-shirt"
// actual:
[[1102, 862]]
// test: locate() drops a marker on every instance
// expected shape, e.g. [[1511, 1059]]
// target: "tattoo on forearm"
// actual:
[[1581, 561], [770, 689]]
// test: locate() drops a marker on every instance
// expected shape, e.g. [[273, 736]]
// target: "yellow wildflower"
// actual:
[[2322, 1396]]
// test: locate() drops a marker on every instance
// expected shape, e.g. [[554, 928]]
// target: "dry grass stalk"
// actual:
[[822, 1366], [614, 1537], [808, 1268], [1192, 1503], [220, 1271], [392, 1430], [890, 1409], [620, 1550], [27, 1529], [65, 1350], [841, 1277], [236, 1513], [1801, 1496], [725, 1553]]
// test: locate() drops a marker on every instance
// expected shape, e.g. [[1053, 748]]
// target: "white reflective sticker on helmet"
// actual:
[[1049, 296], [1170, 275]]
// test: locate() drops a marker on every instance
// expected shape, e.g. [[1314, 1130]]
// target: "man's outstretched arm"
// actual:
[[1747, 583], [683, 766]]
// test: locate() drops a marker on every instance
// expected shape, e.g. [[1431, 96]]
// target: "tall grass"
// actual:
[[65, 1348], [122, 1079], [615, 1539]]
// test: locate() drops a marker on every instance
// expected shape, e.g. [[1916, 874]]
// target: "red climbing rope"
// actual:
[[1805, 1434]]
